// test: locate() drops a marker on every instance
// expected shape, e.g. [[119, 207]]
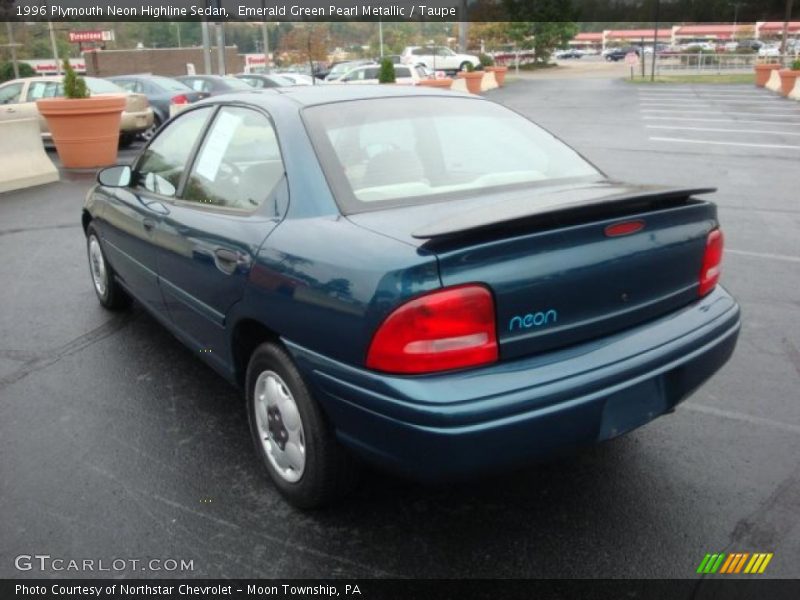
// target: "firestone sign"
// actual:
[[90, 36]]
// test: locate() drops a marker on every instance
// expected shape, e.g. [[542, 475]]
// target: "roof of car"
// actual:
[[310, 95]]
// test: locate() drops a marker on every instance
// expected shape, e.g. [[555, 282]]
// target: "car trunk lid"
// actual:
[[566, 263]]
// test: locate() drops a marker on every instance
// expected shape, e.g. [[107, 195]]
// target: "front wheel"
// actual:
[[292, 436], [109, 291]]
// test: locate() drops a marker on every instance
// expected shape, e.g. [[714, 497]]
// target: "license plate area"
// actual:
[[632, 407]]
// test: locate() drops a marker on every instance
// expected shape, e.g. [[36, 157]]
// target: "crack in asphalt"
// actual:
[[39, 228], [77, 344]]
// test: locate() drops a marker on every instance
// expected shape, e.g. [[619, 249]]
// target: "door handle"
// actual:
[[228, 260], [149, 224]]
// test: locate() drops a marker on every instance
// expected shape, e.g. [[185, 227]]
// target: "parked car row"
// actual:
[[151, 99]]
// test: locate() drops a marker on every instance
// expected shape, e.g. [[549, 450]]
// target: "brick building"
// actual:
[[158, 61]]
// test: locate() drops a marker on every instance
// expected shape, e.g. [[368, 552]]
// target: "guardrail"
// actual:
[[715, 63]]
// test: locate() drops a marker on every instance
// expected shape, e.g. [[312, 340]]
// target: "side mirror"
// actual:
[[116, 176]]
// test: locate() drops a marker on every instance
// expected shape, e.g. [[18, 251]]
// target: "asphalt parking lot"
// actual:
[[116, 442]]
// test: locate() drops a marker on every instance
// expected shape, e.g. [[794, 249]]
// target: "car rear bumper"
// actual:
[[136, 122], [461, 423]]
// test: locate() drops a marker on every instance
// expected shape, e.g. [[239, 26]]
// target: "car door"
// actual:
[[234, 195], [12, 103], [131, 217]]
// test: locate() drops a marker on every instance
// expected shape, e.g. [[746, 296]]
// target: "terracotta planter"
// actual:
[[499, 74], [473, 80], [763, 73], [445, 83], [788, 79], [86, 130]]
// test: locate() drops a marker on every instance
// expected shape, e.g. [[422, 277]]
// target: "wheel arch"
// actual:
[[247, 335]]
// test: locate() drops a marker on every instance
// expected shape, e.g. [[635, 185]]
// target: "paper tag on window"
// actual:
[[216, 145]]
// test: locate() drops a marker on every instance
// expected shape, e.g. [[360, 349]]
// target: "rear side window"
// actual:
[[397, 151], [402, 72], [43, 89], [239, 164]]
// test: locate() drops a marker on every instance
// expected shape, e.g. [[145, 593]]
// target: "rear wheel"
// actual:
[[109, 292], [464, 65], [292, 436]]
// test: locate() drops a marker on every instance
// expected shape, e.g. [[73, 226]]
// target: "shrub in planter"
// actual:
[[473, 78], [789, 77], [489, 65], [386, 74], [85, 128]]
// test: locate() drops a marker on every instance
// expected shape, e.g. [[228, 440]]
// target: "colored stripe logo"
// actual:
[[735, 563]]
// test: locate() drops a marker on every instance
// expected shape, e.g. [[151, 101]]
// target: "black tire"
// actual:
[[463, 65], [126, 139], [111, 295], [330, 472]]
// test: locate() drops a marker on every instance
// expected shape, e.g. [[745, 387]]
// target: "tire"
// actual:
[[463, 65], [311, 469], [148, 133], [126, 139], [109, 292]]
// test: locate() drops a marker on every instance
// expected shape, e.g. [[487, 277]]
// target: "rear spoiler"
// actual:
[[561, 203]]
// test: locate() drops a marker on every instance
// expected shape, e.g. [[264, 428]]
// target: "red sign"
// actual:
[[632, 59], [90, 36]]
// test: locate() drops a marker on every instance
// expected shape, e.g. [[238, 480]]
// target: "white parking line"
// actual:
[[721, 129], [784, 257], [745, 114], [718, 143], [693, 95], [731, 121], [744, 417], [716, 102], [651, 104]]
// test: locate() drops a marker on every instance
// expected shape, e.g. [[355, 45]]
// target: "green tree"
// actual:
[[386, 74], [543, 25], [7, 71]]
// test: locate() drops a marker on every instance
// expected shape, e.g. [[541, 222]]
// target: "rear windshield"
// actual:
[[388, 152], [170, 84], [101, 86]]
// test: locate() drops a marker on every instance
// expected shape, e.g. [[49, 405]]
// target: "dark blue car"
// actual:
[[422, 279]]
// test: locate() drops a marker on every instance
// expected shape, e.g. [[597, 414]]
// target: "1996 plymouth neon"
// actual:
[[422, 279]]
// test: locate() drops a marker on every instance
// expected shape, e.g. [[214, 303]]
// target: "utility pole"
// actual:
[[220, 48], [13, 46], [655, 42], [380, 35], [206, 48], [786, 20], [265, 36], [54, 47]]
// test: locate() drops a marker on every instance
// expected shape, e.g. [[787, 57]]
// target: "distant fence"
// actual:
[[715, 63]]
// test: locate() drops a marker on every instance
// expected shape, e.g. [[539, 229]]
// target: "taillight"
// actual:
[[180, 99], [452, 328], [709, 274]]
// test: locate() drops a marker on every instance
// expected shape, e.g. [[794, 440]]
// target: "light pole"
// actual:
[[265, 36]]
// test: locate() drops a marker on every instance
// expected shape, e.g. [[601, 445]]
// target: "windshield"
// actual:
[[395, 151]]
